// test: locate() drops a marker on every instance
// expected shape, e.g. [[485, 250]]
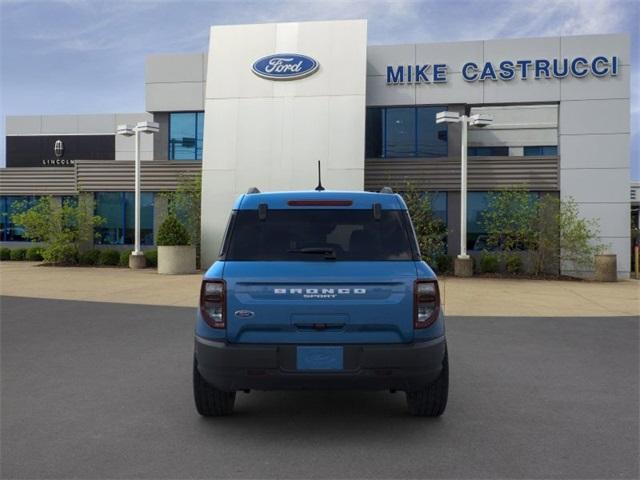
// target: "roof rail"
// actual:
[[386, 190], [253, 190]]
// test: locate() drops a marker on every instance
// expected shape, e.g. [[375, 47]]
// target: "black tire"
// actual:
[[210, 402], [432, 401]]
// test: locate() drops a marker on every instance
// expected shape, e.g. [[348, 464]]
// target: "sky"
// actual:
[[87, 56]]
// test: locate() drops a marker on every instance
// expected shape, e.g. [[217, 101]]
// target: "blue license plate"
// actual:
[[320, 358]]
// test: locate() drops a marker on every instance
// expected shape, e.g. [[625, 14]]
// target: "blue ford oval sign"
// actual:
[[285, 66]]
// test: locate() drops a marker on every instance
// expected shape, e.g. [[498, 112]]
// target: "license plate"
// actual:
[[320, 358]]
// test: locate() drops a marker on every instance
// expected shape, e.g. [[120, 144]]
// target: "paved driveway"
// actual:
[[103, 390]]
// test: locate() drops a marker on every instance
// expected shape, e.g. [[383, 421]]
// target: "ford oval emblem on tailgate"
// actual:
[[244, 313], [284, 66]]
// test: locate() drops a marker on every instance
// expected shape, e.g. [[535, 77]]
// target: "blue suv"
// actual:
[[320, 290]]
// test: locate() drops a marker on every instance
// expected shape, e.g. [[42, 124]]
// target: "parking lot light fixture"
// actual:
[[136, 259], [477, 120]]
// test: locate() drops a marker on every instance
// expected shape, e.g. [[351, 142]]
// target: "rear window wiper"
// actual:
[[329, 253]]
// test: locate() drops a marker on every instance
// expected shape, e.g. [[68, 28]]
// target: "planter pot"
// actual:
[[606, 268], [176, 260]]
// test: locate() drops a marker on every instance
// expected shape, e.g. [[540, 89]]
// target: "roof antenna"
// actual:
[[319, 188]]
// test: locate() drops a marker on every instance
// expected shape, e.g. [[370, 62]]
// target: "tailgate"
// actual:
[[319, 302]]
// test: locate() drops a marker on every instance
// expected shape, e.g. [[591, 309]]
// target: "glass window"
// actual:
[[373, 137], [185, 135], [405, 132], [315, 234], [488, 151], [439, 205], [117, 209], [432, 136], [10, 232], [400, 132], [541, 151]]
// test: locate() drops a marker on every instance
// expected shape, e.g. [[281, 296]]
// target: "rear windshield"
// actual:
[[320, 234]]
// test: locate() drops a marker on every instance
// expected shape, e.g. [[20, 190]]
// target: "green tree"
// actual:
[[508, 219], [430, 230], [61, 227]]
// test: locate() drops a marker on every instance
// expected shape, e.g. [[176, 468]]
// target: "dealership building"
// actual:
[[268, 101]]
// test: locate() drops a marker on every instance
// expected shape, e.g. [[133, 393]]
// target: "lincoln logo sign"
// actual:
[[285, 66], [58, 148], [506, 70]]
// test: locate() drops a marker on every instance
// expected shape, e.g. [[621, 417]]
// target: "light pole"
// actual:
[[136, 259], [463, 264]]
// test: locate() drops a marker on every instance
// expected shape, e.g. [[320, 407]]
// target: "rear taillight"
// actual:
[[426, 303], [213, 303]]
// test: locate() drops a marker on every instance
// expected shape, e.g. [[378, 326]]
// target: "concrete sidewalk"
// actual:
[[461, 296]]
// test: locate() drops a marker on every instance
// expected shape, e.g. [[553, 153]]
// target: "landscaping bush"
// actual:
[[5, 253], [109, 257], [90, 257], [61, 254], [431, 231], [513, 263], [444, 264], [152, 258], [34, 254], [18, 254], [124, 258], [489, 263], [172, 232], [61, 227]]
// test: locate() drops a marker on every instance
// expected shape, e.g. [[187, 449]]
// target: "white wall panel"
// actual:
[[593, 185], [594, 116], [379, 56], [595, 151], [174, 97], [23, 124], [54, 124], [521, 49], [455, 90], [453, 54], [591, 87], [270, 134]]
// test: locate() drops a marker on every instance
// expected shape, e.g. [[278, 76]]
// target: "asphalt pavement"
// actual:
[[103, 390]]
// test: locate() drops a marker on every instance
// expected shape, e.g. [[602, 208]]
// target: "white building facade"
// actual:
[[268, 101]]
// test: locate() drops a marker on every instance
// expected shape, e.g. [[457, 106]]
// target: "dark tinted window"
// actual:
[[185, 135], [488, 151], [319, 234], [541, 151], [405, 132]]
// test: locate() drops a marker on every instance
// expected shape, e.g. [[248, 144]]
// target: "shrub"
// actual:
[[18, 254], [444, 264], [34, 254], [5, 253], [431, 231], [60, 254], [172, 232], [61, 227], [90, 257], [489, 263], [124, 258], [152, 258], [513, 263], [109, 257]]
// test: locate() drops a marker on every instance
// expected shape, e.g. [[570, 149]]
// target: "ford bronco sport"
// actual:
[[320, 290]]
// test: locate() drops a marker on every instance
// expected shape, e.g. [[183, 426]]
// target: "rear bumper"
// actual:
[[407, 367]]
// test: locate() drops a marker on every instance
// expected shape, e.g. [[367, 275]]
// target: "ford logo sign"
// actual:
[[285, 66], [244, 313]]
